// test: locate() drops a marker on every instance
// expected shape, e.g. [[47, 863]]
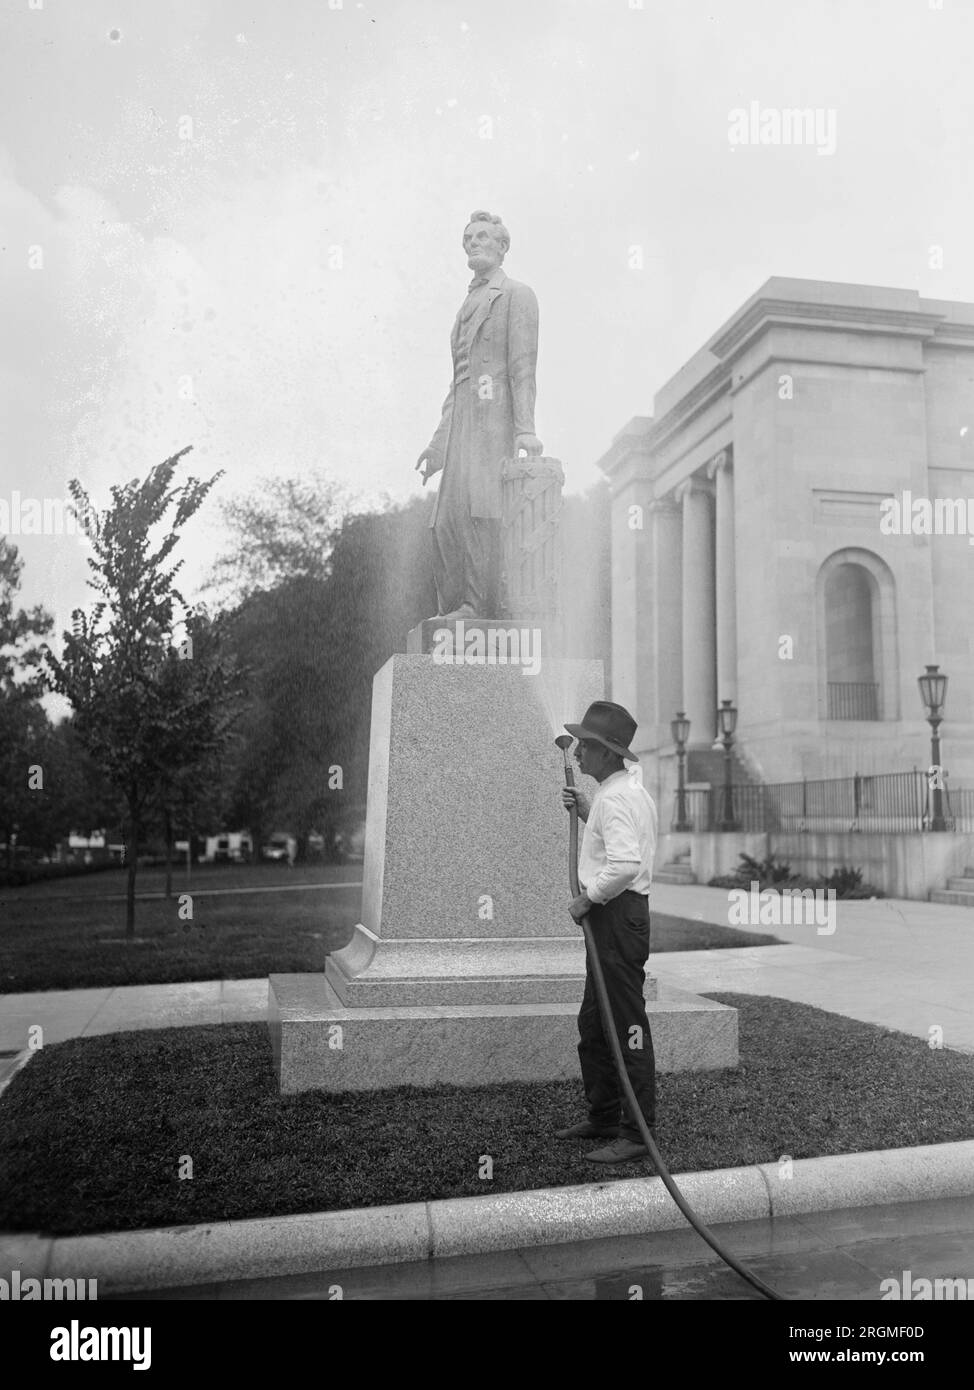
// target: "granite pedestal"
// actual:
[[466, 966]]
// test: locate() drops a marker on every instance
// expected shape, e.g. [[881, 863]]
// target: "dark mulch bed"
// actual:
[[93, 1131]]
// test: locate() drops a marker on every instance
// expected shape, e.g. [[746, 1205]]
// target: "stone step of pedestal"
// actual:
[[369, 973], [962, 884], [320, 1045]]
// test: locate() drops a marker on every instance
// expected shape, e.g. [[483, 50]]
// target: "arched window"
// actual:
[[857, 637], [853, 691]]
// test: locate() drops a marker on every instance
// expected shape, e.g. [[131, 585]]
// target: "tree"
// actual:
[[314, 640], [23, 724], [284, 529], [200, 691], [138, 714], [79, 796]]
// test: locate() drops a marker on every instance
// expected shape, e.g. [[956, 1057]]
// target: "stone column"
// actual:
[[667, 611], [699, 627], [720, 470]]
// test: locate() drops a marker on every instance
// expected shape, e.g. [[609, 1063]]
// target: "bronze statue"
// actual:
[[488, 415]]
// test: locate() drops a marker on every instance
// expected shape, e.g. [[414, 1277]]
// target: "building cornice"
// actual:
[[645, 435], [800, 313], [631, 439]]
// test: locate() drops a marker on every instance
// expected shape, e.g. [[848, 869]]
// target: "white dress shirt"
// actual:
[[619, 843]]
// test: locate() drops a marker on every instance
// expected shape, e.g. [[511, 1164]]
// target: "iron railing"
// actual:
[[887, 802], [853, 700]]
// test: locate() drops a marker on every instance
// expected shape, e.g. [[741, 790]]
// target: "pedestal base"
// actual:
[[521, 970], [321, 1045]]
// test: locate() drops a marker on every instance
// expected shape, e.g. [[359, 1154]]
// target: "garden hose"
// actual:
[[608, 1028]]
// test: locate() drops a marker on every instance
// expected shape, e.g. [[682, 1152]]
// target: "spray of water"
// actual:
[[558, 687]]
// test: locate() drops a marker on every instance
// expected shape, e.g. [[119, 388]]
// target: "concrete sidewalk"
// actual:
[[903, 965], [83, 1013]]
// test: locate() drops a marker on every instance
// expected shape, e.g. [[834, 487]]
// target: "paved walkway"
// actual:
[[904, 965], [83, 1013], [843, 1254]]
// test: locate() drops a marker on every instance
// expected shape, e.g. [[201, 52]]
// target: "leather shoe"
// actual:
[[585, 1129], [619, 1151]]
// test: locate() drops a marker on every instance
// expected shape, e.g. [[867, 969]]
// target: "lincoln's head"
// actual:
[[485, 240]]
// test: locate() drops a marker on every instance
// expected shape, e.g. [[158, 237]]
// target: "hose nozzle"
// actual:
[[564, 742]]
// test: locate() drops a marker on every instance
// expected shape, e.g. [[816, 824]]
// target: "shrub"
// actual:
[[767, 873], [772, 873], [847, 883]]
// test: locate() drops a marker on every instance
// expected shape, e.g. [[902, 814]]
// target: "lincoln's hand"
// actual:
[[430, 462], [530, 443]]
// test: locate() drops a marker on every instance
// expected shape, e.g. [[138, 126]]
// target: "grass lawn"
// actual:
[[69, 934], [51, 938], [92, 1131]]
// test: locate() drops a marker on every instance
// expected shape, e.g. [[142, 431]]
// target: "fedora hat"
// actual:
[[608, 724]]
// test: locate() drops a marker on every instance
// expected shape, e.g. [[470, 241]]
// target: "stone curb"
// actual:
[[141, 1261]]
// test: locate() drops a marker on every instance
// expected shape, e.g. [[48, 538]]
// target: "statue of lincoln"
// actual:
[[488, 415]]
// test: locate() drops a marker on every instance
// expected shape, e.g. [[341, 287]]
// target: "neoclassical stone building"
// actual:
[[750, 558]]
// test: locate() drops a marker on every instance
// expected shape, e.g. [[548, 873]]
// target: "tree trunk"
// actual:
[[168, 829], [132, 854]]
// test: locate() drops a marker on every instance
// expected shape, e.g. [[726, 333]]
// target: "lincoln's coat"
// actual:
[[482, 415]]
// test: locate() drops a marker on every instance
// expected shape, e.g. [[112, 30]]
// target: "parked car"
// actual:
[[232, 847], [280, 847]]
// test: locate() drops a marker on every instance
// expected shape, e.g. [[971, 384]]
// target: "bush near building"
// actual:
[[777, 875]]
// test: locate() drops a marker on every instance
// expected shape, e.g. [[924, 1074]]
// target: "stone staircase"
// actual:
[[959, 891], [676, 870], [707, 765]]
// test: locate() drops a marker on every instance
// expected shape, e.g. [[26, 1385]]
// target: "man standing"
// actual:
[[615, 869], [488, 415]]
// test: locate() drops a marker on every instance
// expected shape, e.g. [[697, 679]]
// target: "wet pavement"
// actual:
[[823, 1256]]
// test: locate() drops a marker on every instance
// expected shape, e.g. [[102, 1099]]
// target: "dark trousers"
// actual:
[[621, 931], [466, 562]]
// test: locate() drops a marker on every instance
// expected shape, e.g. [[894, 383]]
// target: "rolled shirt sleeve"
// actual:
[[620, 833], [614, 879]]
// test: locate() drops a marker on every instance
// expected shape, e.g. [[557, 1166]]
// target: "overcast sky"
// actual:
[[249, 215]]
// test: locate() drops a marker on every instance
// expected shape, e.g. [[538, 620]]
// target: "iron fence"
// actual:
[[887, 802]]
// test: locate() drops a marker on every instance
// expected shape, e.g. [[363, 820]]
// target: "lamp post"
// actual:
[[727, 723], [680, 729], [933, 691]]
